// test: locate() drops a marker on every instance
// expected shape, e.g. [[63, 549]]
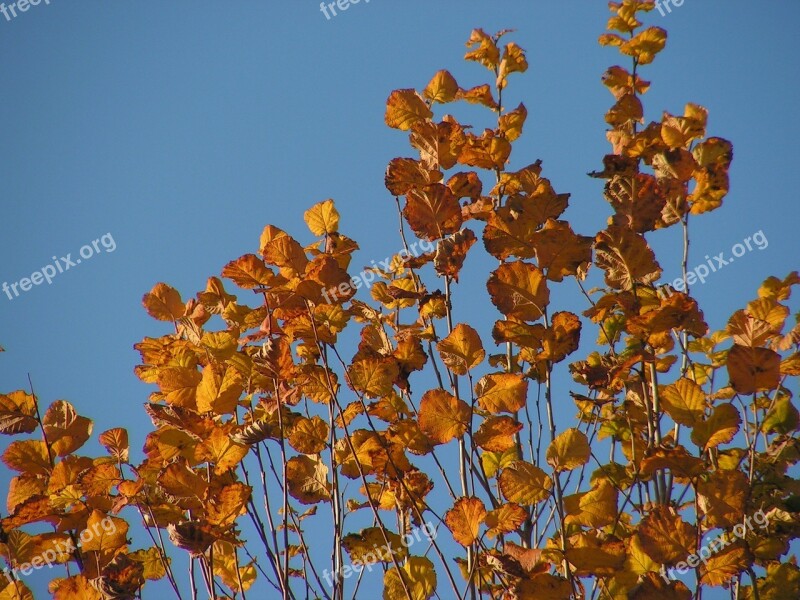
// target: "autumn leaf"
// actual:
[[496, 434], [164, 303], [442, 416], [518, 290], [719, 428], [524, 483], [753, 369], [442, 88], [502, 392], [404, 108], [626, 258], [116, 442], [322, 218], [462, 349], [507, 518], [17, 413], [432, 211], [66, 430], [665, 537], [684, 401], [307, 479], [569, 450], [419, 577], [103, 533]]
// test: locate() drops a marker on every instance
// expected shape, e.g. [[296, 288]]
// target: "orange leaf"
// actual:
[[625, 257], [443, 417], [432, 211], [404, 108], [462, 349], [496, 434], [519, 290], [665, 537], [442, 88], [464, 520], [505, 519], [524, 483], [502, 392], [17, 413], [569, 450], [753, 369], [164, 303]]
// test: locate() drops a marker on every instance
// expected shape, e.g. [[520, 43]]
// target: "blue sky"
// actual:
[[182, 128]]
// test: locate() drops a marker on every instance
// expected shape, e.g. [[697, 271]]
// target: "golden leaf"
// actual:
[[502, 392], [164, 303], [66, 430], [506, 519], [404, 108], [524, 483], [464, 520], [307, 479], [322, 218], [720, 428], [684, 401], [442, 88], [419, 576], [496, 434], [665, 537], [462, 349], [519, 290], [568, 451], [443, 417]]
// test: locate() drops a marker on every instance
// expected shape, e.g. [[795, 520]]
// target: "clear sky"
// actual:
[[182, 128]]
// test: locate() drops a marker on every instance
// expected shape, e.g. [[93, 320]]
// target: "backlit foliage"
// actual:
[[273, 431]]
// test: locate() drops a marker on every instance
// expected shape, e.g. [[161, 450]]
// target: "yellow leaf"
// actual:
[[443, 417], [66, 430], [645, 45], [249, 272], [372, 376], [220, 450], [464, 520], [569, 450], [164, 303], [720, 428], [28, 456], [506, 519], [307, 479], [404, 108], [684, 401], [442, 88], [116, 442], [753, 369], [227, 504], [511, 123], [17, 413], [625, 257], [665, 537], [725, 565], [322, 218], [595, 508], [462, 349], [524, 483], [73, 588], [153, 565], [309, 436], [496, 434], [369, 546], [419, 576], [502, 392], [16, 590], [104, 533]]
